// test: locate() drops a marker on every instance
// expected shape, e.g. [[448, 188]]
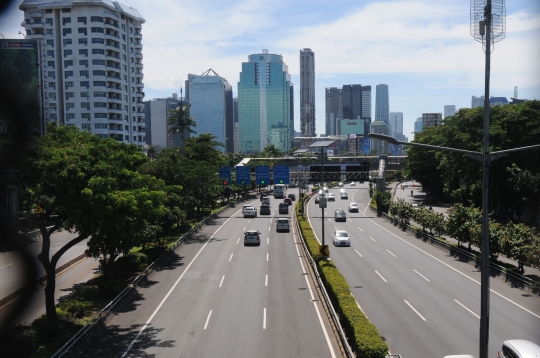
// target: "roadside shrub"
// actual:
[[131, 263], [76, 309], [21, 341]]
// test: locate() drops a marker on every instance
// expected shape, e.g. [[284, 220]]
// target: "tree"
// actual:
[[461, 223], [181, 122], [271, 151], [520, 243], [525, 187]]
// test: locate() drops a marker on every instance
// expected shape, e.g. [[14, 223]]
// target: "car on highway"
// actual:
[[341, 238], [331, 197], [265, 209], [252, 237], [283, 208], [344, 195], [288, 201], [249, 211], [263, 195], [342, 190], [320, 192], [353, 207], [292, 197], [317, 199], [353, 183], [340, 184], [265, 200], [519, 348], [326, 189], [283, 225], [339, 215]]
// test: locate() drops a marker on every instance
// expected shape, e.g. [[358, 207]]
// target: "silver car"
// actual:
[[341, 238], [252, 237], [283, 225], [519, 348], [331, 197], [353, 207]]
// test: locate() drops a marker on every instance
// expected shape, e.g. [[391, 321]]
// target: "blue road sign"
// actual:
[[281, 174], [262, 175], [225, 175], [242, 175]]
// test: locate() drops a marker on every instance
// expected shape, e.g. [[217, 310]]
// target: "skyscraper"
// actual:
[[418, 125], [91, 65], [477, 101], [333, 110], [264, 104], [366, 108], [307, 92], [380, 146], [396, 125], [382, 105], [431, 120], [449, 110], [156, 127], [210, 96]]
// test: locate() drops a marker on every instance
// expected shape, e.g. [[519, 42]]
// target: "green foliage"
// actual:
[[461, 223], [271, 151], [382, 198], [21, 341], [520, 243], [133, 262], [181, 122]]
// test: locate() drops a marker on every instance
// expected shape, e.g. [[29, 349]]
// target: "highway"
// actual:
[[423, 302], [219, 298]]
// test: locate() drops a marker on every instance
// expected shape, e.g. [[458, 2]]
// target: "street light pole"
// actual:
[[323, 197]]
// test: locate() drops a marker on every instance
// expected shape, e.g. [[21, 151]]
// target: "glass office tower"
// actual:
[[264, 104], [382, 105]]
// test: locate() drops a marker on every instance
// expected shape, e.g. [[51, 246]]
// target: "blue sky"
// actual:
[[421, 49]]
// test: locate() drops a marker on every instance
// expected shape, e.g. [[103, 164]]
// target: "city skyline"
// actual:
[[437, 60]]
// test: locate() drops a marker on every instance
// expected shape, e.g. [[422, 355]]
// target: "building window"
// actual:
[[99, 83], [53, 116], [52, 95], [85, 84], [50, 64], [123, 37], [50, 53], [51, 74], [82, 20], [84, 73], [100, 125], [70, 95], [96, 19], [83, 63], [85, 105], [49, 21], [48, 31], [52, 106], [98, 62], [98, 72], [100, 105], [83, 41], [69, 84], [98, 41], [82, 30], [66, 32], [98, 51], [100, 94], [86, 115], [83, 52], [48, 11], [66, 20], [68, 53], [68, 63], [85, 125], [66, 10], [67, 42], [70, 105], [96, 30], [50, 42], [68, 74], [52, 85], [70, 116]]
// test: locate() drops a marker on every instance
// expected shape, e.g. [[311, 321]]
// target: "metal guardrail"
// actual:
[[333, 313], [105, 312]]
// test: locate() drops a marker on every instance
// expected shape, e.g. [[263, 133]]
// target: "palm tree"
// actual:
[[181, 122]]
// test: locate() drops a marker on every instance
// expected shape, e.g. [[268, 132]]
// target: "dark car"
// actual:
[[292, 197], [283, 208], [288, 201], [265, 209], [339, 215]]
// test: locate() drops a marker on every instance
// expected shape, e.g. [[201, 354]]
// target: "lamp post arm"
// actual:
[[469, 153], [501, 153]]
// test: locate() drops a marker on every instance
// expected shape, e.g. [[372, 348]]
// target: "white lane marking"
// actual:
[[269, 228], [221, 282], [367, 206], [266, 281], [6, 266], [391, 253], [207, 319], [360, 229], [264, 318], [372, 238], [462, 305], [268, 241], [350, 220], [172, 288], [414, 310], [249, 221], [329, 220], [231, 257], [267, 256], [244, 229], [456, 270], [58, 243], [380, 276], [335, 227], [425, 278], [271, 221], [358, 253], [237, 241]]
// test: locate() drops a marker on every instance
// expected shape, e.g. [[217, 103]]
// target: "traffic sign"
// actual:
[[225, 175], [262, 175], [281, 174], [242, 175]]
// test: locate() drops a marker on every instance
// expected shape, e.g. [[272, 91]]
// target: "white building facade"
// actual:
[[449, 110], [91, 65]]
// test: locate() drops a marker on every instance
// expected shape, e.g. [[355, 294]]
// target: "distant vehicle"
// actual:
[[265, 200], [292, 197], [325, 189], [283, 208], [265, 209], [279, 191], [283, 225], [339, 215], [519, 348], [263, 195], [344, 195], [252, 237], [361, 182], [340, 183], [331, 197], [353, 183], [341, 238], [249, 211], [320, 192], [353, 207], [317, 199], [288, 201], [342, 190]]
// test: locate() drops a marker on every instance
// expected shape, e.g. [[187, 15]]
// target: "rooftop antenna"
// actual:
[[488, 22]]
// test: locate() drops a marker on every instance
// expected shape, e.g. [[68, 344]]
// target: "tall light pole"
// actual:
[[485, 158]]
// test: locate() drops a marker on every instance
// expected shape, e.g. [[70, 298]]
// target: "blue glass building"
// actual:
[[264, 104], [382, 105]]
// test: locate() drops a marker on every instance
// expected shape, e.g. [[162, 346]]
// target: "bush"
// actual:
[[131, 263], [76, 309], [21, 341]]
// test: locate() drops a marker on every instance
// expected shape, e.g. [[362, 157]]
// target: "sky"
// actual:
[[421, 49]]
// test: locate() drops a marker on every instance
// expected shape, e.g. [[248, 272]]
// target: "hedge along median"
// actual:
[[362, 334]]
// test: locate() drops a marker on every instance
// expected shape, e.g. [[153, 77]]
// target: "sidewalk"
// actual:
[[419, 197]]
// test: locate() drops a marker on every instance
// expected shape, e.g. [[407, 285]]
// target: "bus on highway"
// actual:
[[280, 191]]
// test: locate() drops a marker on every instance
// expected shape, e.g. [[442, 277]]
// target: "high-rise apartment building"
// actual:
[[477, 101], [431, 120], [156, 113], [449, 110], [382, 104], [91, 65], [333, 109], [264, 104], [211, 99], [307, 93]]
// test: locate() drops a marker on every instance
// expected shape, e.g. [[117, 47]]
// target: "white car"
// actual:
[[265, 200], [252, 237], [353, 207], [341, 238], [326, 189], [353, 184], [344, 195], [340, 183], [283, 225], [331, 197], [249, 211], [342, 190]]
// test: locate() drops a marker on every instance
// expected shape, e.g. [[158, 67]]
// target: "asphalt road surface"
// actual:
[[219, 298], [424, 302]]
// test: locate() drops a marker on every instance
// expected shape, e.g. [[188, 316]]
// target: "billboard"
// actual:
[[20, 88]]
